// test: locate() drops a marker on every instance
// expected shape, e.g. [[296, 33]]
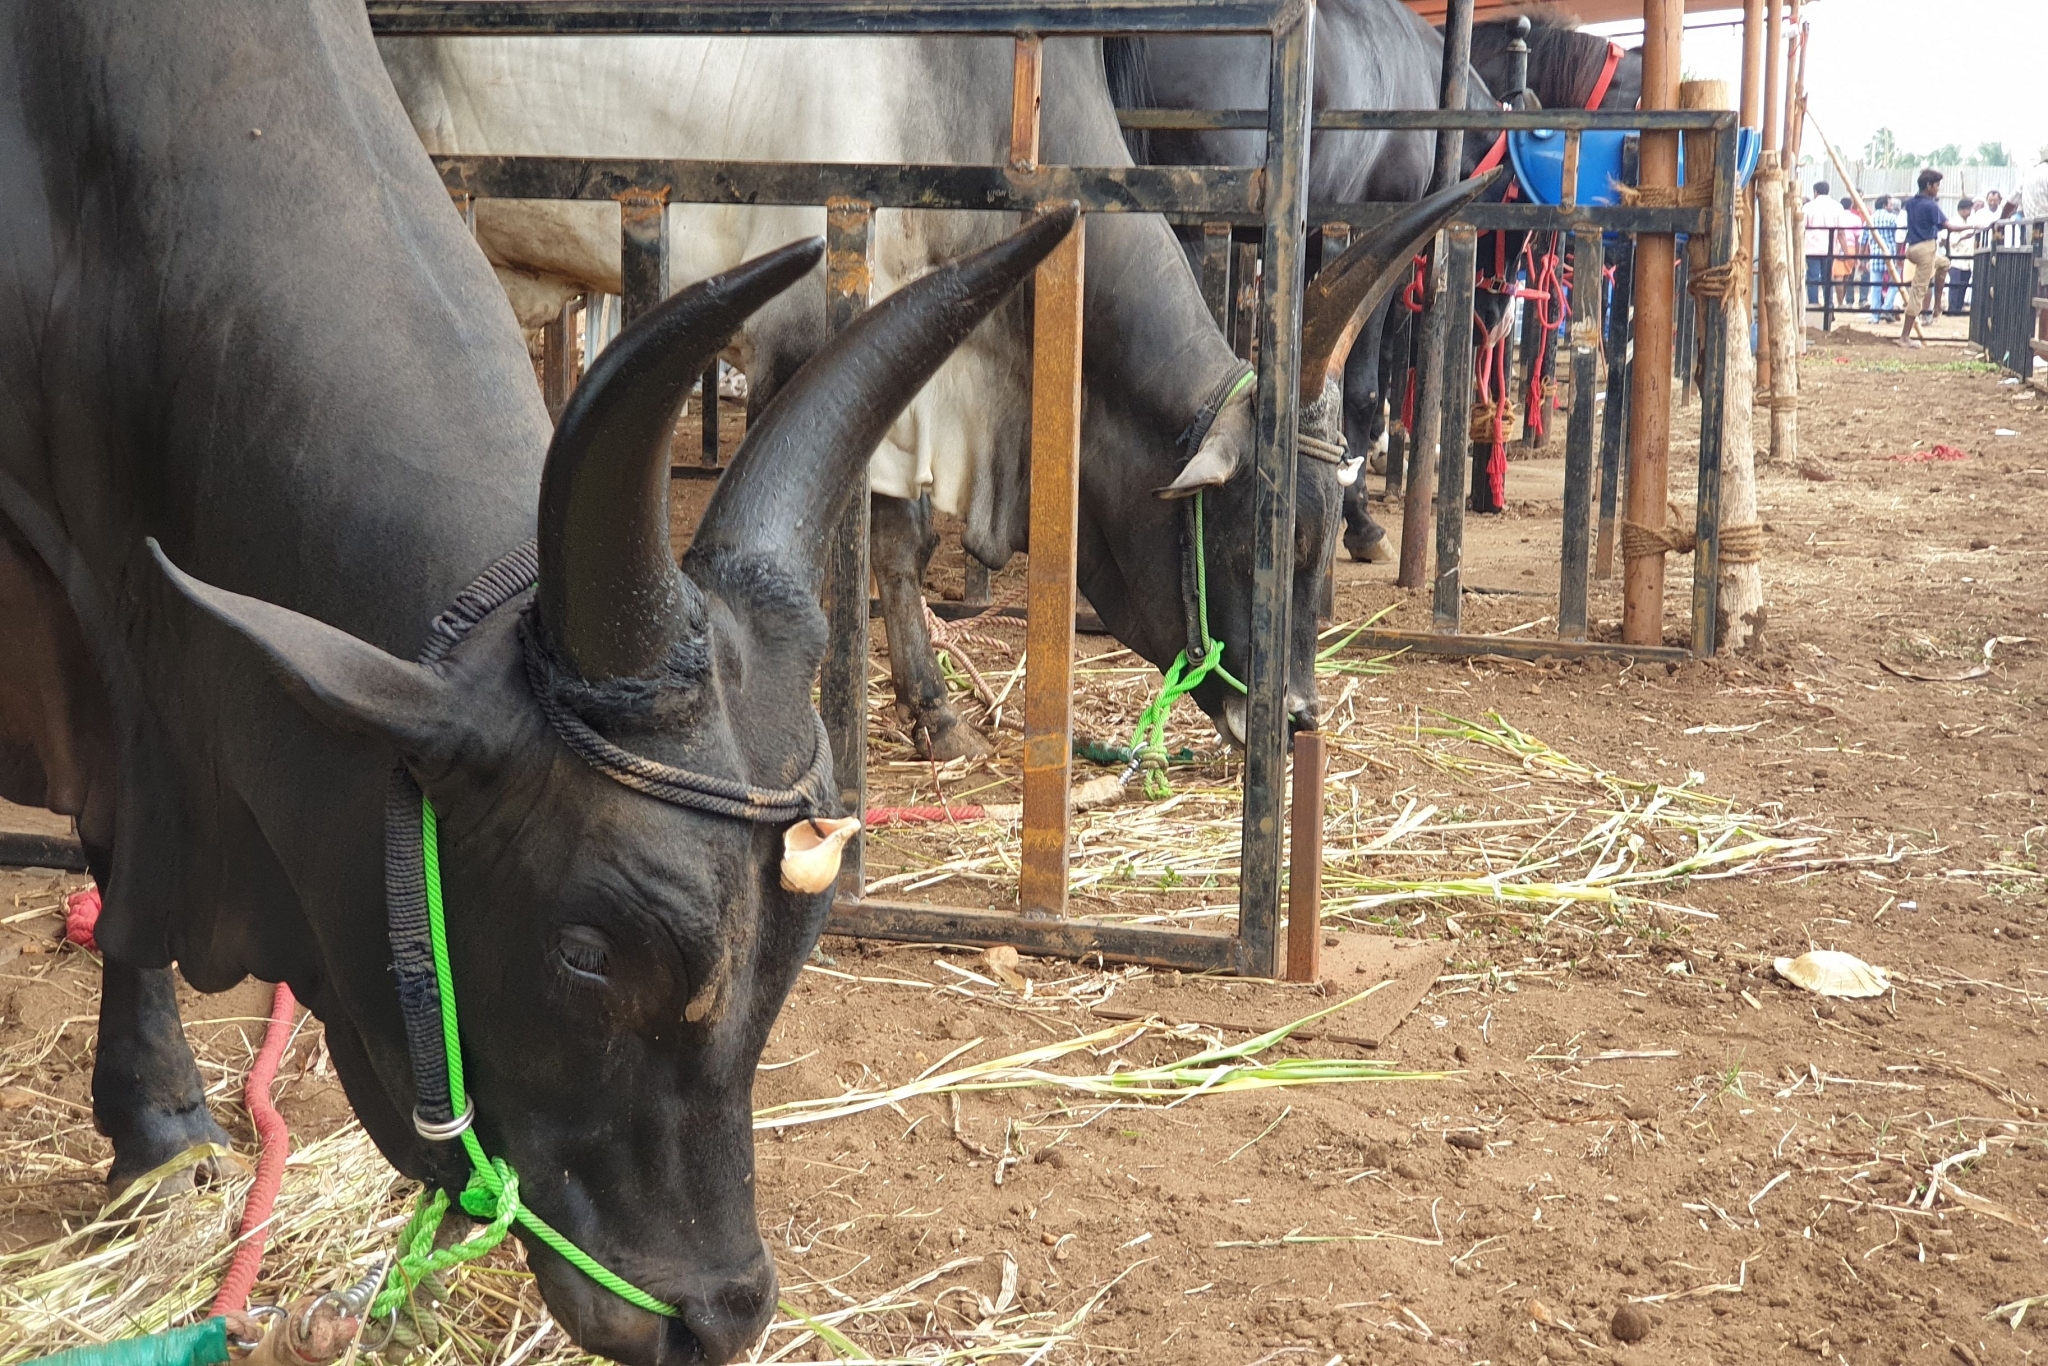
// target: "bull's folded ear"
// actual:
[[342, 683]]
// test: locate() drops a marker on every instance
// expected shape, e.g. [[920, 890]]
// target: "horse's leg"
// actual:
[[1364, 538], [147, 1097], [900, 545]]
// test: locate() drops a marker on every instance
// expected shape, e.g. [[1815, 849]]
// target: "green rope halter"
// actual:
[[493, 1190], [1150, 754]]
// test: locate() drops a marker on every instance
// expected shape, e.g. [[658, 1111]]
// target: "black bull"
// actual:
[[241, 319], [242, 323]]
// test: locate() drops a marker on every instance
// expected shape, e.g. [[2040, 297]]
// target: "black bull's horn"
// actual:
[[808, 454], [1348, 290], [610, 599]]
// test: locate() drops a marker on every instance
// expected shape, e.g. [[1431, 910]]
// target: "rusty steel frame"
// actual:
[[1272, 198]]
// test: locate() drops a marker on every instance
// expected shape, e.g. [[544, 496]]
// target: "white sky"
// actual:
[[1933, 71]]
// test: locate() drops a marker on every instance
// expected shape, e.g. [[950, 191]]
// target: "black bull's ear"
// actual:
[[343, 683]]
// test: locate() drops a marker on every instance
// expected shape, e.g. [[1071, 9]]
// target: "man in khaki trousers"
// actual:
[[1925, 222]]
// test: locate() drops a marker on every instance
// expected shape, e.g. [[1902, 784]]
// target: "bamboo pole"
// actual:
[[1767, 125], [1751, 116], [1649, 445], [1795, 223], [1739, 611], [1780, 319]]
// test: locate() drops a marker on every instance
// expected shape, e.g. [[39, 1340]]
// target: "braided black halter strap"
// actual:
[[412, 962]]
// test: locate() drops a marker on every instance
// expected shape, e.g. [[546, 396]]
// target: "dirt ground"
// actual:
[[1636, 1110]]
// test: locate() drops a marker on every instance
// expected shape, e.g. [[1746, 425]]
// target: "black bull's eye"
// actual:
[[583, 951]]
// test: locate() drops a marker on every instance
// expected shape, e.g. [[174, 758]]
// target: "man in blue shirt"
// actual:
[[1885, 226], [1925, 221]]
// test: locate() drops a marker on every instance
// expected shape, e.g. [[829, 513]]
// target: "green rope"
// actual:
[[1150, 754], [493, 1190]]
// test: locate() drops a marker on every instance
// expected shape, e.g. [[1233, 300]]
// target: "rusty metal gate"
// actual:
[[1271, 199], [1268, 201]]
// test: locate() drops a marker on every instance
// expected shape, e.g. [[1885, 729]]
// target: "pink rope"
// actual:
[[879, 816], [276, 1141]]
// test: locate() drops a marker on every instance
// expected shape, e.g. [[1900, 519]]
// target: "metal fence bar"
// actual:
[[1706, 559], [731, 18], [1201, 193], [1614, 420], [1049, 630], [1587, 276], [1426, 120], [1461, 261], [1273, 474], [643, 253], [843, 679]]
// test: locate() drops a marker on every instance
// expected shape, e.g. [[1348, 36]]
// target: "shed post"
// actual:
[[1649, 446]]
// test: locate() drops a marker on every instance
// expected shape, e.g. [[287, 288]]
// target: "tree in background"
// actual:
[[1948, 154], [1882, 149], [1991, 154]]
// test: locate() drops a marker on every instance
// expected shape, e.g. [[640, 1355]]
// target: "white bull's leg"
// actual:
[[900, 545]]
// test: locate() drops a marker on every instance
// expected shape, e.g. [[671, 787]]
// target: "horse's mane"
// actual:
[[1564, 63]]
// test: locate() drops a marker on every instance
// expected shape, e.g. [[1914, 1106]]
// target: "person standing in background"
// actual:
[[1961, 251], [1820, 217], [1885, 226], [1925, 222], [1852, 263]]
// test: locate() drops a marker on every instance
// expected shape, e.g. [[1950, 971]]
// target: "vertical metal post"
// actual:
[[1216, 273], [1614, 420], [558, 359], [1244, 294], [843, 681], [1026, 81], [1273, 473], [1427, 440], [1578, 442], [643, 252], [1461, 263], [1049, 631], [1399, 439], [1827, 286], [1305, 860], [1706, 556]]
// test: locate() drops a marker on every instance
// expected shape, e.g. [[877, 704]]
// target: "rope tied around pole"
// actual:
[[1666, 196], [1489, 420], [1639, 542], [1782, 403], [1721, 283], [1742, 544]]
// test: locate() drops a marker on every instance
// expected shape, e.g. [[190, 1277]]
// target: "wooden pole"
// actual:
[[1767, 125], [1649, 447], [1049, 631], [1780, 317], [1739, 612], [1795, 235]]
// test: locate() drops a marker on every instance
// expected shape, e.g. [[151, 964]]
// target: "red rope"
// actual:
[[276, 1140], [879, 816]]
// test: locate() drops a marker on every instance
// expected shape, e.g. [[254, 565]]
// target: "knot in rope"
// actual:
[[494, 1198], [1639, 542], [1152, 760]]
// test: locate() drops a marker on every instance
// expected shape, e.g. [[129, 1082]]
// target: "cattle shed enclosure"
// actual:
[[1269, 204]]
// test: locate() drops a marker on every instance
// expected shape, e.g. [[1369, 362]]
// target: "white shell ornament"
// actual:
[[811, 851], [1829, 972]]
